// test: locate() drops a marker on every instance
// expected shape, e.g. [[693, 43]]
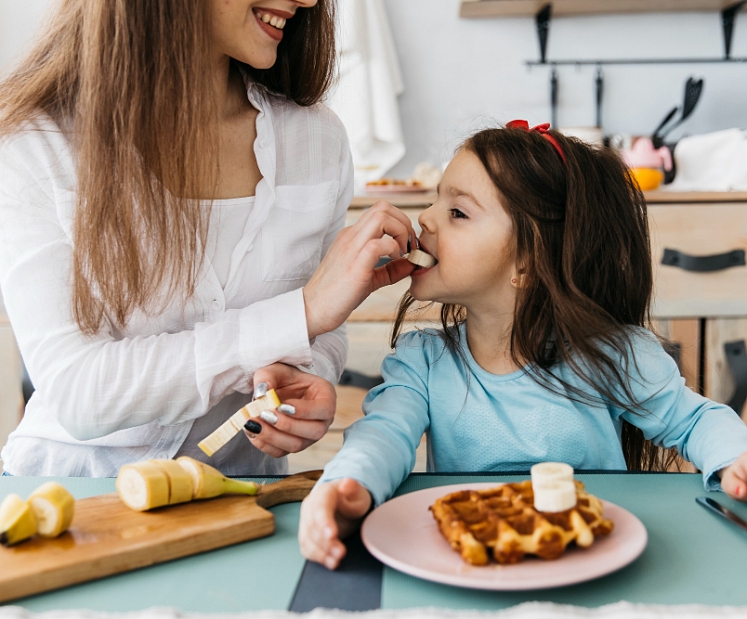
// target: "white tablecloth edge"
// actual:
[[527, 610]]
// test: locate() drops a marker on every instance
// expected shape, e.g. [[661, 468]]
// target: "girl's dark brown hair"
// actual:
[[582, 247], [130, 82]]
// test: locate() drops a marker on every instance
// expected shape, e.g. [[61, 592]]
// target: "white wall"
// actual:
[[19, 21], [464, 73]]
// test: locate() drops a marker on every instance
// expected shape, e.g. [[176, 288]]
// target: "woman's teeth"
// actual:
[[273, 20]]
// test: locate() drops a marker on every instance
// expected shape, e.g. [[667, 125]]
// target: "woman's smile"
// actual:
[[272, 21]]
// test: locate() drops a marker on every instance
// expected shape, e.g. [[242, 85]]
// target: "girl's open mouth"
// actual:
[[422, 260], [271, 22]]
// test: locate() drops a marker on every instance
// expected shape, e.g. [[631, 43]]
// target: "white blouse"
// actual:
[[134, 393]]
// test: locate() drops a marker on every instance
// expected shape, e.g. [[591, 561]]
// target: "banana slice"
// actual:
[[554, 496], [210, 482], [546, 472], [53, 507], [180, 481], [420, 258], [17, 520], [143, 486]]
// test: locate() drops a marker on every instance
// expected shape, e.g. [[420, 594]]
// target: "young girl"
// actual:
[[545, 274]]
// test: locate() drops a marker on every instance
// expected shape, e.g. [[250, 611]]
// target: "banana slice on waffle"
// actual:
[[504, 523]]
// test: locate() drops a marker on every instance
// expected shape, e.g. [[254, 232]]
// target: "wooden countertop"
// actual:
[[405, 200]]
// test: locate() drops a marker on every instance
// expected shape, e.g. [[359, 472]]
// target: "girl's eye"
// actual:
[[457, 214]]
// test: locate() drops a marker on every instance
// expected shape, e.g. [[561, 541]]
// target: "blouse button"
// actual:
[[263, 143], [162, 455], [217, 305]]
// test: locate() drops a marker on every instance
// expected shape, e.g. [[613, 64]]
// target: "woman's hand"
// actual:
[[347, 275], [332, 511], [734, 478], [307, 410]]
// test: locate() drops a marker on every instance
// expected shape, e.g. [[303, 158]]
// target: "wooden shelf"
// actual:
[[529, 8]]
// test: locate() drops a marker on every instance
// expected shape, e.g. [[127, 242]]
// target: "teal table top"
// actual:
[[691, 557]]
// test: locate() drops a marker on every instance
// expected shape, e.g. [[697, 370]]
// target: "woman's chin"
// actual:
[[260, 61]]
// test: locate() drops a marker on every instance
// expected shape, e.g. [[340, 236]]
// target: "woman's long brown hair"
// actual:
[[130, 82], [582, 246]]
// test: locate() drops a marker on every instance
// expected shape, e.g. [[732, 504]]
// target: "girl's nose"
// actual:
[[425, 219]]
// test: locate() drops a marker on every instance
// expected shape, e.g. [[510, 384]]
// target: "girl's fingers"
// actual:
[[734, 479], [318, 531]]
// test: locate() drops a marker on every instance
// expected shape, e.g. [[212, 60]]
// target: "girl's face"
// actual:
[[250, 30], [471, 235]]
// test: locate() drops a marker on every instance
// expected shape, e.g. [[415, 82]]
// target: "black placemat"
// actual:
[[355, 585]]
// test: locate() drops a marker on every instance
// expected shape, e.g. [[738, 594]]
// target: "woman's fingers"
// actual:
[[391, 273], [347, 275], [384, 223], [391, 210], [270, 439]]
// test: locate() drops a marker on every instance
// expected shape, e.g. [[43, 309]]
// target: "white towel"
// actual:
[[527, 610], [370, 80], [711, 162]]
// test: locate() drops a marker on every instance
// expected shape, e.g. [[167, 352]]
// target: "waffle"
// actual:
[[502, 522]]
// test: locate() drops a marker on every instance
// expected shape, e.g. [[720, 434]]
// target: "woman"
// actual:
[[168, 187]]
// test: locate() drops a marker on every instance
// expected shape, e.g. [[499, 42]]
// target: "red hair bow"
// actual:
[[541, 129]]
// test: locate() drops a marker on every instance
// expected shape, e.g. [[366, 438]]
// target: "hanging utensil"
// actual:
[[693, 90], [554, 98], [599, 82], [655, 137]]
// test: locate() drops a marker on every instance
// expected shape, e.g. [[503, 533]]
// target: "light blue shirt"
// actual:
[[477, 421]]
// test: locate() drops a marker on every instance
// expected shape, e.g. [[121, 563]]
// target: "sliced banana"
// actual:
[[546, 472], [17, 520], [210, 482], [181, 487], [420, 258], [143, 486], [54, 508], [554, 496]]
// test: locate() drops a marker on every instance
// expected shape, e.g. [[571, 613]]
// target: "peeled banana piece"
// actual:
[[181, 486], [143, 486], [545, 472], [17, 520], [553, 487], [556, 496], [155, 483], [209, 482], [53, 507]]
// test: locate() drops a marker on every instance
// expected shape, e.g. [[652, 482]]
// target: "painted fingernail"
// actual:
[[260, 390], [409, 243], [269, 417], [287, 409], [253, 427]]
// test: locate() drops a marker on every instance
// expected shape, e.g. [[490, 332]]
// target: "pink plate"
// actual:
[[396, 189], [402, 534]]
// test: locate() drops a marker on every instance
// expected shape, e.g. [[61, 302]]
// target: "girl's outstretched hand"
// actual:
[[348, 273], [331, 511], [734, 478]]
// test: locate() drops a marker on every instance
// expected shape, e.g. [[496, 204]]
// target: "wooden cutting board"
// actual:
[[107, 537]]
